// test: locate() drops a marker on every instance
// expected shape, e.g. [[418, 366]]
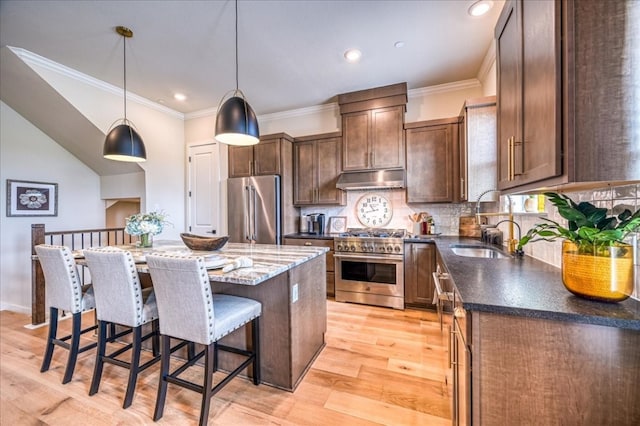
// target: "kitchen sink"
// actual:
[[469, 250]]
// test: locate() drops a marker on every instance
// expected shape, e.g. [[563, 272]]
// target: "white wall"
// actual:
[[161, 129], [27, 153]]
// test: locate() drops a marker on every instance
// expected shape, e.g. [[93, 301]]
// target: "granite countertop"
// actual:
[[527, 287], [268, 260]]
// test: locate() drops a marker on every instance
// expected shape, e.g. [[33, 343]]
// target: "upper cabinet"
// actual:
[[529, 92], [433, 167], [265, 158], [372, 128], [477, 148], [316, 167], [567, 109]]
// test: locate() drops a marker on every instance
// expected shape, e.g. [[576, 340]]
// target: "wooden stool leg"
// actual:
[[165, 356], [255, 332], [134, 367], [155, 340], [53, 331], [209, 357], [102, 344], [73, 347]]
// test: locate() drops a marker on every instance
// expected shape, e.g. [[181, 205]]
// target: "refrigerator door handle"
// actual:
[[253, 211], [247, 207]]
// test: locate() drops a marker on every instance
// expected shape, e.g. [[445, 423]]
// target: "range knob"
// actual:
[[381, 249], [338, 247], [389, 249], [397, 249], [353, 248]]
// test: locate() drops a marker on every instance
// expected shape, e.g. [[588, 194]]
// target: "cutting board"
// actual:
[[469, 227]]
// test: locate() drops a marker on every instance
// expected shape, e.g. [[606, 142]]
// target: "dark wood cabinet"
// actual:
[[566, 109], [529, 92], [433, 168], [419, 265], [330, 265], [372, 128], [265, 158], [316, 165], [373, 139]]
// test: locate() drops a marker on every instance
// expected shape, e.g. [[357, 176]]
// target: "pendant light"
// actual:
[[123, 143], [236, 123]]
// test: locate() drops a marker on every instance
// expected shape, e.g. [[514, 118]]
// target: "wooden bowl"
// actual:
[[198, 242]]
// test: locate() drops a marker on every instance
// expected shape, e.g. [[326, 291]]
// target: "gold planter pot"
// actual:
[[605, 276]]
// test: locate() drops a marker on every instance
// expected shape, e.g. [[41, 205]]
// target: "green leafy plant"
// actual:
[[588, 226]]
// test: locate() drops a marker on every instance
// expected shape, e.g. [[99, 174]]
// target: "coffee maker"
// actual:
[[316, 223]]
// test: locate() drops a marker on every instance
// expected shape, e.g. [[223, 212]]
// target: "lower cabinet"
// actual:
[[319, 242], [419, 265]]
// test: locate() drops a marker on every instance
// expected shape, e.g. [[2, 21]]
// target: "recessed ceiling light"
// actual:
[[179, 97], [399, 44], [481, 7], [352, 55]]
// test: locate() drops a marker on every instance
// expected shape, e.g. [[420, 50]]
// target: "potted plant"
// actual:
[[596, 262], [146, 225]]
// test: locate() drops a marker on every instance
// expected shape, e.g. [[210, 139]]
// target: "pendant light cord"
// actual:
[[237, 45], [124, 43]]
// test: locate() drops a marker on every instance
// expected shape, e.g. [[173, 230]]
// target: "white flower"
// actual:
[[146, 223]]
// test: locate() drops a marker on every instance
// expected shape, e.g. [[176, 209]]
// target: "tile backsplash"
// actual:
[[447, 216], [616, 199]]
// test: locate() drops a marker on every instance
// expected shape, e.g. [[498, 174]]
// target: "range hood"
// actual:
[[375, 179]]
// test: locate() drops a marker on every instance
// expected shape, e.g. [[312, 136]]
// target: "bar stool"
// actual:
[[201, 317], [64, 291], [121, 300]]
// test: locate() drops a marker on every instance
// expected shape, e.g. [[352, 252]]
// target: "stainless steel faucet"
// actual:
[[511, 242]]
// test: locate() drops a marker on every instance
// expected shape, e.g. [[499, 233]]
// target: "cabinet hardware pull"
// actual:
[[452, 338], [511, 161], [373, 158], [250, 168], [307, 243], [462, 188]]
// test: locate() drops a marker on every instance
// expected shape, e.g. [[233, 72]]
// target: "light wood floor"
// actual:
[[379, 366]]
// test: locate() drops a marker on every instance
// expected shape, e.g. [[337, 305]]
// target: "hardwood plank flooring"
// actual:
[[379, 366]]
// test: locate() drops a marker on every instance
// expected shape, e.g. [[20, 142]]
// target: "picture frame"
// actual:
[[26, 198], [337, 224]]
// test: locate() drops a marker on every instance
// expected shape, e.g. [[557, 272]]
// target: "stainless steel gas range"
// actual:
[[369, 267]]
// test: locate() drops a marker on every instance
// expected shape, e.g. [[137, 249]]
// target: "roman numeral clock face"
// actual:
[[374, 210]]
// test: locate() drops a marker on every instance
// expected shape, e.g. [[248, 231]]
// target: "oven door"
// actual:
[[370, 279]]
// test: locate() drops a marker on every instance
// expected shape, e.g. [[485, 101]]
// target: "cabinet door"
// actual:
[[538, 156], [430, 163], [419, 265], [240, 161], [266, 157], [508, 69], [327, 165], [481, 150], [304, 178], [387, 138], [355, 133]]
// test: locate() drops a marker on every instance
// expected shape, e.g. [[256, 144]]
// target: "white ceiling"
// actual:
[[290, 52]]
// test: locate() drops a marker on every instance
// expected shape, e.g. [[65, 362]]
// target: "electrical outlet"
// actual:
[[294, 293]]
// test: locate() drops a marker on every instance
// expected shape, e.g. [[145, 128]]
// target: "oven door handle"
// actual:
[[370, 257]]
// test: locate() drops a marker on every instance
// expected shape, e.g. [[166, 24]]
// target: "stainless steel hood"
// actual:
[[375, 179]]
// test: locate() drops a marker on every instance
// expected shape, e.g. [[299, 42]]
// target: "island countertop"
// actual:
[[268, 260], [527, 287]]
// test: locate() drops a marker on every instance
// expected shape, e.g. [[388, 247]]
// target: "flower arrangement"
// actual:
[[146, 223]]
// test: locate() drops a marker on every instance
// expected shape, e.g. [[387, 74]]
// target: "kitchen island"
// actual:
[[289, 281], [538, 354]]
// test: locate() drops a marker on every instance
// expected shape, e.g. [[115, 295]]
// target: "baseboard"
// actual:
[[15, 308]]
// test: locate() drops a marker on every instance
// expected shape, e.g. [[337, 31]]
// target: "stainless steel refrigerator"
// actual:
[[254, 209]]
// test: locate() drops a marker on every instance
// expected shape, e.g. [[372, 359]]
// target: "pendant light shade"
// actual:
[[123, 142], [236, 123]]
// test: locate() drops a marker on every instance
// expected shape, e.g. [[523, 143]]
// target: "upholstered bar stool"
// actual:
[[64, 291], [121, 300], [199, 316]]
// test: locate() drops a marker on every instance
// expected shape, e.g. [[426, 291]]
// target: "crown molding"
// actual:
[[446, 87], [33, 59], [299, 112], [487, 62]]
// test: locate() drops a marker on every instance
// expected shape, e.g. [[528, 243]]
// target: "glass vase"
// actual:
[[605, 274], [146, 240]]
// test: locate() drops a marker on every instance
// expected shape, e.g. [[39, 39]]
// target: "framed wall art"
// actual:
[[337, 224], [26, 198]]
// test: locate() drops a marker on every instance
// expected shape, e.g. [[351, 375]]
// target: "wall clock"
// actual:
[[373, 210]]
